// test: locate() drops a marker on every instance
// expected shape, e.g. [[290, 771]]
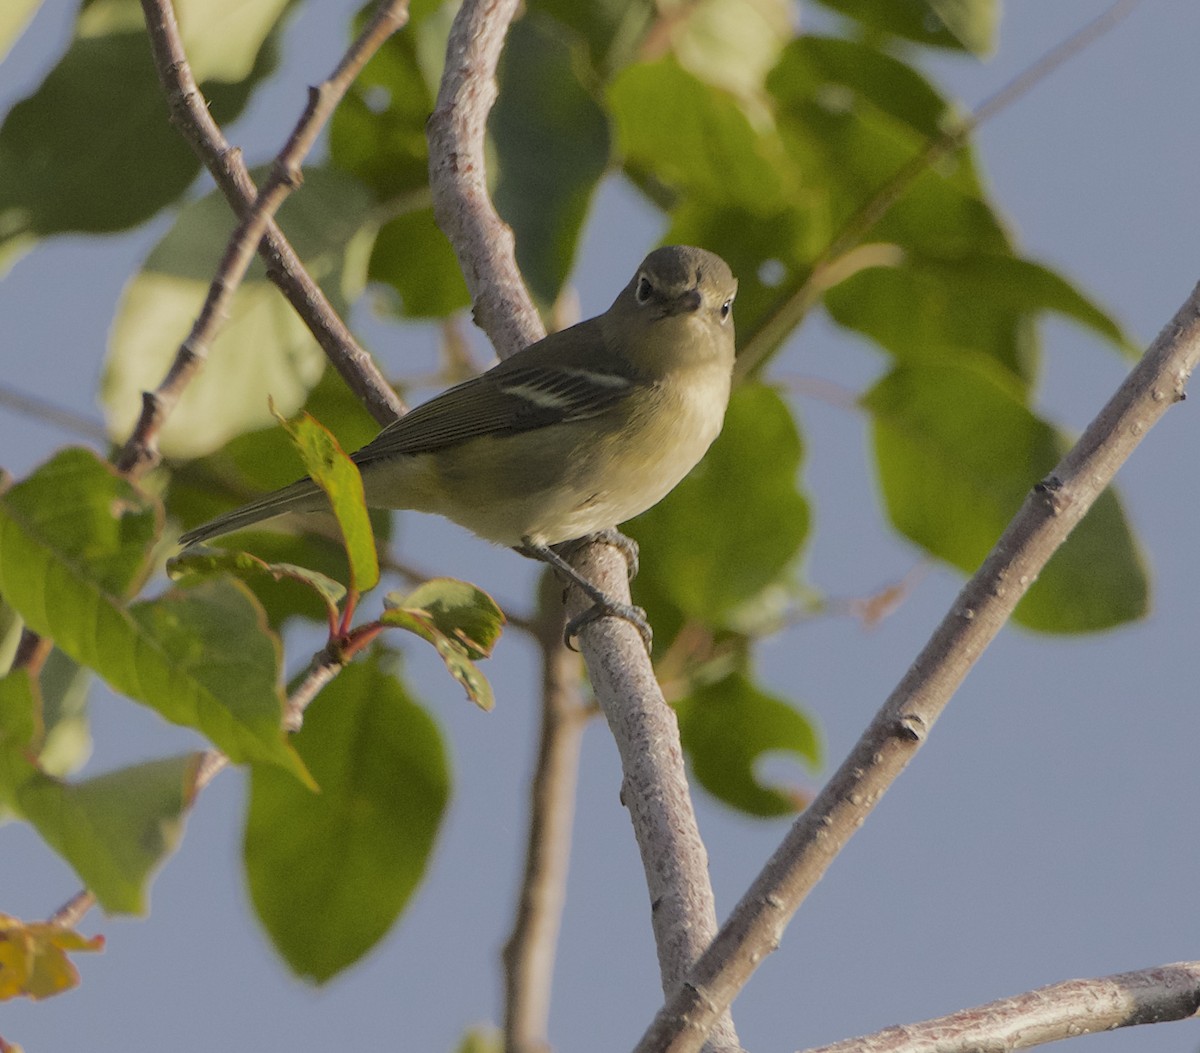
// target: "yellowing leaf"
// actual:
[[33, 958]]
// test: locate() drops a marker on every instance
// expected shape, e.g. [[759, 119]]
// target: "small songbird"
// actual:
[[568, 437]]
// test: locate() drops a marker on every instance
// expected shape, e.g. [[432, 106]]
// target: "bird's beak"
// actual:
[[688, 303]]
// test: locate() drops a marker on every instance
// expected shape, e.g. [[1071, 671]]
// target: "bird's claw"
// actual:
[[610, 609]]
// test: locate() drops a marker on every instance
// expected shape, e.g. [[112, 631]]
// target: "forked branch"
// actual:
[[1050, 512]]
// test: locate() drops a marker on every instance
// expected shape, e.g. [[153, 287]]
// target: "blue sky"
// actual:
[[1046, 831]]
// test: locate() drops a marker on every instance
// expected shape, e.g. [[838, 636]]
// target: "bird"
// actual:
[[567, 438]]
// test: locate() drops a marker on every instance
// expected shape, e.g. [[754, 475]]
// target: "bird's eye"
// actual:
[[643, 290], [726, 308]]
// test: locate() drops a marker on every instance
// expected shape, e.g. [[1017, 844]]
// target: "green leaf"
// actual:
[[727, 727], [613, 30], [103, 101], [707, 147], [552, 143], [730, 43], [263, 349], [378, 131], [461, 621], [44, 722], [20, 715], [20, 733], [957, 452], [216, 665], [11, 628], [736, 524], [965, 25], [197, 562], [333, 471], [66, 739], [97, 520], [259, 461], [817, 67], [72, 538], [115, 829], [973, 22], [1095, 581], [413, 257], [924, 309], [850, 142], [329, 873]]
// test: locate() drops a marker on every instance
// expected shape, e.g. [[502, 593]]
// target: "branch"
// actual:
[[655, 787], [257, 212], [832, 267], [1050, 512], [1064, 1010], [529, 953], [257, 225], [326, 664], [482, 241], [50, 413]]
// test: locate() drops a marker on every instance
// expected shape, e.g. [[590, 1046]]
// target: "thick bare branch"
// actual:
[[1050, 512], [1063, 1010], [530, 951], [655, 788]]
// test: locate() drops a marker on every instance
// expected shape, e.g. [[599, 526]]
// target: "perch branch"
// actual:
[[655, 787], [1050, 512]]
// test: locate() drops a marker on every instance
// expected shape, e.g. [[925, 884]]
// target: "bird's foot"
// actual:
[[609, 536], [602, 605], [606, 608]]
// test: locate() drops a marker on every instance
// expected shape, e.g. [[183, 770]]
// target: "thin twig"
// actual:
[[655, 786], [325, 666], [190, 114], [50, 413], [1052, 509], [1063, 1010], [530, 950], [830, 268], [140, 451]]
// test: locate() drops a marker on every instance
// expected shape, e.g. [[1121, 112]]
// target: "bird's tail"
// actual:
[[302, 496]]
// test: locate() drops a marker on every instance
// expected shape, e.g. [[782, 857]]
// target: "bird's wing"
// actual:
[[530, 390]]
